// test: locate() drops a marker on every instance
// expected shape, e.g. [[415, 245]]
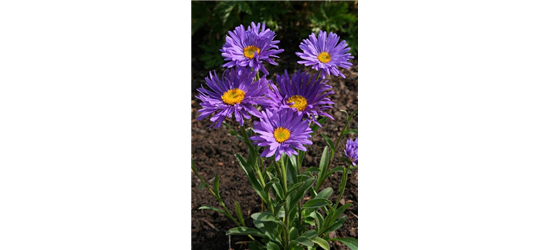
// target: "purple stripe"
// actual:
[[453, 152], [403, 142]]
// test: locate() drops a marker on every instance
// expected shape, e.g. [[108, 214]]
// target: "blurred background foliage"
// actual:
[[292, 21]]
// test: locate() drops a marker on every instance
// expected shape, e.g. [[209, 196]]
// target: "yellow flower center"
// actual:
[[324, 57], [281, 134], [249, 51], [300, 103], [233, 96]]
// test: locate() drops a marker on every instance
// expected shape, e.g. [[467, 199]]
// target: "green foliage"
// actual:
[[296, 215], [335, 17], [211, 56]]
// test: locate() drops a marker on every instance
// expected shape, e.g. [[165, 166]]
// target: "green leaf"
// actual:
[[243, 6], [271, 169], [212, 208], [292, 214], [328, 141], [336, 169], [293, 160], [315, 126], [216, 184], [251, 176], [291, 168], [298, 194], [304, 241], [343, 182], [224, 9], [267, 224], [312, 169], [293, 233], [305, 176], [324, 194], [244, 231], [231, 131], [319, 220], [310, 221], [266, 217], [310, 234], [278, 209], [336, 225], [271, 175], [277, 188], [250, 132], [321, 242], [323, 166], [339, 211], [272, 246], [353, 114], [352, 243], [294, 187], [349, 131], [316, 203], [239, 212], [300, 157]]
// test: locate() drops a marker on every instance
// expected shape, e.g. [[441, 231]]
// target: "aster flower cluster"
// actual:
[[285, 111], [240, 93]]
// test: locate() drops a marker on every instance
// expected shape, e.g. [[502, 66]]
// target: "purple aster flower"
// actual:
[[351, 151], [305, 93], [249, 48], [235, 93], [281, 131], [325, 55]]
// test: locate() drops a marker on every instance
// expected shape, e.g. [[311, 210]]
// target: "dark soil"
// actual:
[[213, 152]]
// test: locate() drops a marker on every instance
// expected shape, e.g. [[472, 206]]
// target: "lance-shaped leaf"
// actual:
[[325, 193], [321, 242], [336, 225], [244, 231], [316, 203], [352, 243], [239, 212], [328, 141], [251, 176]]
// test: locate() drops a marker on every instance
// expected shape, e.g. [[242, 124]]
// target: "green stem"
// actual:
[[332, 152], [284, 175], [286, 206], [280, 170], [344, 184], [246, 139], [299, 205], [318, 76], [287, 222]]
